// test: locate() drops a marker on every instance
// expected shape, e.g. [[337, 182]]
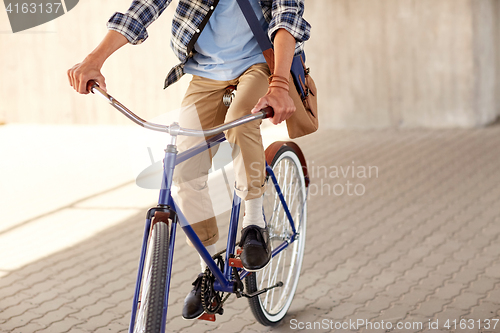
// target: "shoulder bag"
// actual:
[[302, 88]]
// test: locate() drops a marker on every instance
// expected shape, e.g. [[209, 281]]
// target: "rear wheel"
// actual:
[[150, 308], [271, 307]]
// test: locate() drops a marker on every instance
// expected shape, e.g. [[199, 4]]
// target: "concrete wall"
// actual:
[[430, 63], [377, 63]]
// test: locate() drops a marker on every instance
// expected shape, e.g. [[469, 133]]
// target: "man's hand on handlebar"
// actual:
[[279, 100], [90, 68], [83, 72]]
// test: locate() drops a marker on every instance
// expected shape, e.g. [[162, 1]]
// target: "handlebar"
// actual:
[[175, 129]]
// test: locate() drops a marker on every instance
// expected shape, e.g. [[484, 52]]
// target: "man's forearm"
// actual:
[[277, 96], [284, 49], [111, 42]]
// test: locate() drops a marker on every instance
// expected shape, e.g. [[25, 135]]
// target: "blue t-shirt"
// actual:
[[226, 46]]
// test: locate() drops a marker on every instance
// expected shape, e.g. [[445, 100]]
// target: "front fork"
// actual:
[[140, 272], [165, 201]]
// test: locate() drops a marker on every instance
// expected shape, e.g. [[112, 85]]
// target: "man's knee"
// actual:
[[207, 231]]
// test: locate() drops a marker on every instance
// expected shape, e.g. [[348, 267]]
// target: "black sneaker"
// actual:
[[256, 248], [193, 308]]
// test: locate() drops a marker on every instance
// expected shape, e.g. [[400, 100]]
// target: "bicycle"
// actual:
[[269, 291]]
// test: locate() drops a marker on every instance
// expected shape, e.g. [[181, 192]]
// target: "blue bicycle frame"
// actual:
[[224, 279]]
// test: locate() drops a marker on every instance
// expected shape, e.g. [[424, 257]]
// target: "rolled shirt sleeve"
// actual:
[[287, 14], [133, 23]]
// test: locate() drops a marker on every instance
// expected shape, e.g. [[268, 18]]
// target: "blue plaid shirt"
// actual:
[[192, 15]]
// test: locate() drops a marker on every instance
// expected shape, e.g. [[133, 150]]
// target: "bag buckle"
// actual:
[[306, 93]]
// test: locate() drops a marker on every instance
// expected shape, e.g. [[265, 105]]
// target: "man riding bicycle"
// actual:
[[215, 45]]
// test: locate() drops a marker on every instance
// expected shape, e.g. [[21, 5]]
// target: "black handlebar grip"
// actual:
[[268, 112], [90, 85]]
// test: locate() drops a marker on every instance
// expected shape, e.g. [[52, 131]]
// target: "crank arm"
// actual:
[[258, 292], [238, 284]]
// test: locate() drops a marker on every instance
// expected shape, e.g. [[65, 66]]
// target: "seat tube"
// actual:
[[231, 237], [168, 172]]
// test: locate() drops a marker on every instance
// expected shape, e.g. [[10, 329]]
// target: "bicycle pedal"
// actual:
[[207, 317], [235, 262]]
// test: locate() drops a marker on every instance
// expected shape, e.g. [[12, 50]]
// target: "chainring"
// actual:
[[211, 299]]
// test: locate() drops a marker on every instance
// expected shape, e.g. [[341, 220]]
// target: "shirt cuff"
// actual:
[[133, 30], [297, 26]]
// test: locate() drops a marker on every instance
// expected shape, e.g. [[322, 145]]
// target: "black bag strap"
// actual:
[[254, 24], [259, 33]]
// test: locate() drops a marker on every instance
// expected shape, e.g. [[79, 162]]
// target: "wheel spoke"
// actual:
[[274, 277]]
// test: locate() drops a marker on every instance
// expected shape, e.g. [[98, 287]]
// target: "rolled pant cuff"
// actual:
[[249, 194], [210, 241]]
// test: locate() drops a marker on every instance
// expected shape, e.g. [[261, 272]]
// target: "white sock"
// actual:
[[212, 250], [253, 213]]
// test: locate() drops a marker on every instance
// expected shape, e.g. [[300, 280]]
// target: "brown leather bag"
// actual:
[[304, 120]]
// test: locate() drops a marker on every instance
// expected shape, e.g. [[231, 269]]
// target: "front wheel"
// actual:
[[150, 308], [271, 307]]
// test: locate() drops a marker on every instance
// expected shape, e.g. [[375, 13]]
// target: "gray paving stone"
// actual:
[[12, 290], [85, 301], [20, 320], [114, 326], [29, 328], [58, 315], [92, 310], [481, 312], [466, 300], [15, 299], [77, 330], [96, 322], [16, 310], [50, 305], [365, 294], [449, 290], [61, 326], [177, 324], [235, 326], [429, 307]]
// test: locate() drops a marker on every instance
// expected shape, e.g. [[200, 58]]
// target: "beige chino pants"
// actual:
[[203, 108]]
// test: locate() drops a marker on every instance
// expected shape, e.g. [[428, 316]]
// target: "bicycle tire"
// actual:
[[153, 286], [286, 165]]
